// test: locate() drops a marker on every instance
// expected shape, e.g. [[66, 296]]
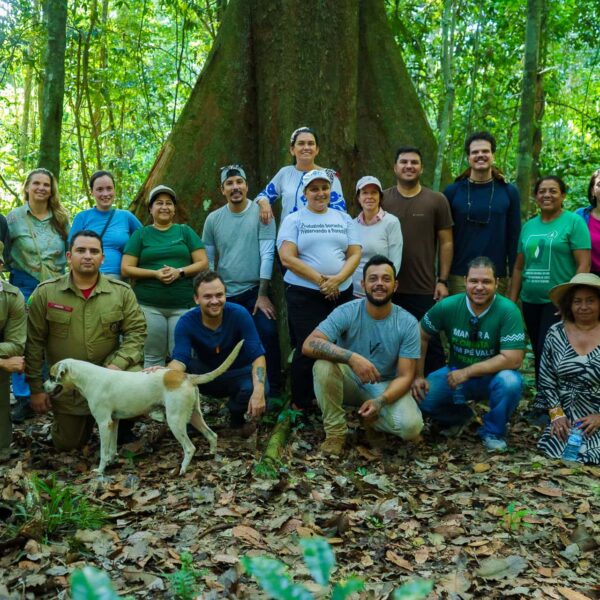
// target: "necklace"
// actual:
[[489, 216]]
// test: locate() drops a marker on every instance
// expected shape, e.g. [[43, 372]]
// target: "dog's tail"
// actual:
[[206, 377]]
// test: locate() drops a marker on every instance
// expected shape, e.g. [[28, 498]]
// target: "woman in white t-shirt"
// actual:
[[320, 250], [287, 183], [378, 231]]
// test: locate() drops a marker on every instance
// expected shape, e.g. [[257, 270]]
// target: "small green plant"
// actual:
[[375, 522], [185, 583], [58, 508], [512, 519], [415, 589], [273, 578], [361, 471]]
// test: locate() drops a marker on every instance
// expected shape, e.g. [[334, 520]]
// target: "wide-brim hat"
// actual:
[[558, 291]]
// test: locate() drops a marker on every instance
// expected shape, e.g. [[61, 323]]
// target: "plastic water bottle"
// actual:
[[574, 443], [458, 394]]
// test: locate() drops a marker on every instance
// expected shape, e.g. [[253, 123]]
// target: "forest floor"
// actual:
[[479, 525]]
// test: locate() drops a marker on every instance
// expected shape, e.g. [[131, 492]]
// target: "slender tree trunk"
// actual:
[[55, 14], [445, 120], [528, 99], [26, 116]]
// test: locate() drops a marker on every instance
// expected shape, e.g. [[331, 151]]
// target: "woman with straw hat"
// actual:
[[570, 368]]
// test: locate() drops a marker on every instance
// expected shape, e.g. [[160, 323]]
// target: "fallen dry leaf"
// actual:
[[481, 467], [248, 535], [572, 594], [398, 561], [548, 491]]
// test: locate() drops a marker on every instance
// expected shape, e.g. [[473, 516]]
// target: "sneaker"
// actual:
[[333, 445], [494, 443], [22, 410]]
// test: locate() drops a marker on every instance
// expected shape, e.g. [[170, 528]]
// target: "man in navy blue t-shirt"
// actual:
[[204, 337]]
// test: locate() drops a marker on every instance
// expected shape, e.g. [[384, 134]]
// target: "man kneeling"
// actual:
[[369, 350]]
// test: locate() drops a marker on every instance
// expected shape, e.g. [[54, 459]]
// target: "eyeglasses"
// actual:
[[489, 216], [474, 329]]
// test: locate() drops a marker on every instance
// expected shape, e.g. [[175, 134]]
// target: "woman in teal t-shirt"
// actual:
[[553, 246], [162, 259]]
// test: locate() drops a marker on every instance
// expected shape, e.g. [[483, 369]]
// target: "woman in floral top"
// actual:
[[38, 232]]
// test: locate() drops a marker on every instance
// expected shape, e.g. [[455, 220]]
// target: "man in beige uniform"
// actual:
[[82, 315], [13, 331]]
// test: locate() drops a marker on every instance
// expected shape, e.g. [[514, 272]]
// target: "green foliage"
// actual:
[[273, 578], [58, 508], [185, 583], [90, 583], [416, 589], [512, 518]]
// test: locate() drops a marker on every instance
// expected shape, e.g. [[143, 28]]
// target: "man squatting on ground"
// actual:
[[242, 249], [13, 332], [87, 316], [487, 341], [207, 334], [367, 353]]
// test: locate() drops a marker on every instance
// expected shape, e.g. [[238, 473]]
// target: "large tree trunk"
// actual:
[[277, 65], [527, 125], [55, 14]]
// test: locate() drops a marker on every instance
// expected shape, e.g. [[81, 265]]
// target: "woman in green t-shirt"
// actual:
[[162, 259], [553, 246]]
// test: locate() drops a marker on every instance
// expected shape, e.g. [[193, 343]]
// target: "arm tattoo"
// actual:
[[378, 402], [263, 287], [260, 375], [328, 351]]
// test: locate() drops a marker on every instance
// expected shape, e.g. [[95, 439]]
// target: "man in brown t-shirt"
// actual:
[[426, 223]]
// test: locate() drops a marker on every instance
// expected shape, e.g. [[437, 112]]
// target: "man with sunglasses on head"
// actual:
[[242, 250], [486, 340], [486, 212]]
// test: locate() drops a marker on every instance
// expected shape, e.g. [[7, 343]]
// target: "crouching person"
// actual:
[[207, 334], [87, 316], [487, 340], [367, 353]]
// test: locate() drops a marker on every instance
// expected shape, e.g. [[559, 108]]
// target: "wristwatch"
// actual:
[[181, 273], [444, 281]]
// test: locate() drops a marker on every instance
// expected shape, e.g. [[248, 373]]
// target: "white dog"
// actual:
[[112, 395]]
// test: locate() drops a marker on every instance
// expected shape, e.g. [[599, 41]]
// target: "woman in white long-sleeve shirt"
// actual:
[[378, 231], [287, 183]]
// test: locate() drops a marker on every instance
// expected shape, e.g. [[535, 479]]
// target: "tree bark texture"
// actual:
[[529, 95], [55, 13], [275, 66]]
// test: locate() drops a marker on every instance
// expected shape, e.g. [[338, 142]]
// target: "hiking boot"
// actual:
[[494, 443], [22, 410], [245, 431], [333, 445]]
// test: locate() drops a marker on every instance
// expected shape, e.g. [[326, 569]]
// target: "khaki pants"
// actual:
[[336, 385], [5, 423], [456, 284]]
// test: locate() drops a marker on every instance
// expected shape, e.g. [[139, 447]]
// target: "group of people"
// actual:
[[367, 298]]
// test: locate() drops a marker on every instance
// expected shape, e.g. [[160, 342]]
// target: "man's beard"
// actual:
[[377, 302]]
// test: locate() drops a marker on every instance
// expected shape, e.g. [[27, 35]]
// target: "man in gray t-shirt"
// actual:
[[367, 353], [242, 249]]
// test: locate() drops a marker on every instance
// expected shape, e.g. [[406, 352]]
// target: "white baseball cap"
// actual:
[[366, 180], [314, 174]]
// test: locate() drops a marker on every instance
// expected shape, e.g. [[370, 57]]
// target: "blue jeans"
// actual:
[[267, 332], [26, 283], [503, 390], [236, 384]]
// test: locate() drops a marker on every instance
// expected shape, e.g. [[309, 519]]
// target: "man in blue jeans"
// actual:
[[207, 334], [242, 249], [486, 339]]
